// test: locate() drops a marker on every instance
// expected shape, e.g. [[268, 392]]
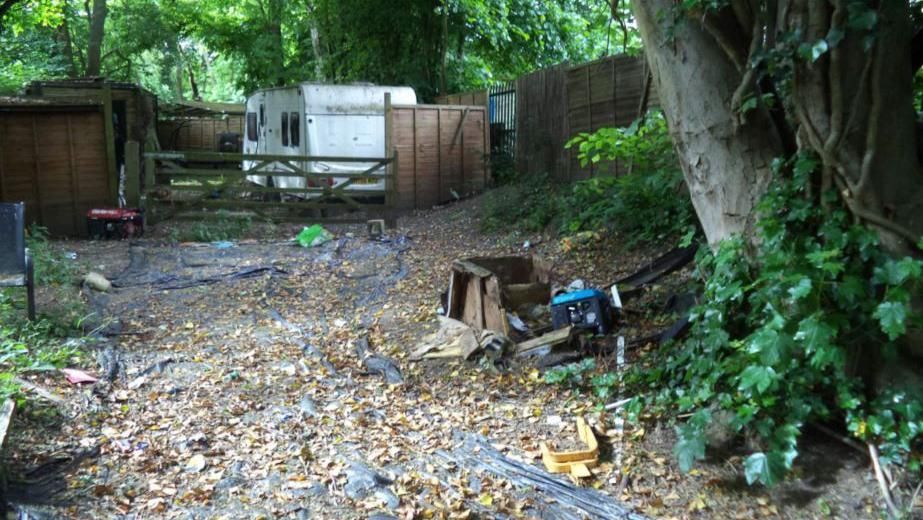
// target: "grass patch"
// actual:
[[226, 227], [52, 267]]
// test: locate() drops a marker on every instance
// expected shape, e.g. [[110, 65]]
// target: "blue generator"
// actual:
[[585, 309]]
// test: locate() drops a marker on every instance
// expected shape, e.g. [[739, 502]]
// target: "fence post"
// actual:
[[132, 174], [391, 201]]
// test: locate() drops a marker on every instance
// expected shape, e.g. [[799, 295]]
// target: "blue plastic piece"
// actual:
[[584, 294]]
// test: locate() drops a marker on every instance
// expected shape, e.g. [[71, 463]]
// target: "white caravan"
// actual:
[[322, 121]]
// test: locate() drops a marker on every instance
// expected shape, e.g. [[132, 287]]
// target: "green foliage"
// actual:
[[232, 47], [648, 205], [28, 346], [771, 341], [645, 207], [646, 144], [582, 376], [531, 204], [651, 203], [51, 266], [572, 374], [227, 227]]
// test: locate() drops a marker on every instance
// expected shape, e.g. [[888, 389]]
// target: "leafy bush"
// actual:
[[650, 203], [774, 337], [646, 207]]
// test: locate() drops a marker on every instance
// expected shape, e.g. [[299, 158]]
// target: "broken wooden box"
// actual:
[[483, 289]]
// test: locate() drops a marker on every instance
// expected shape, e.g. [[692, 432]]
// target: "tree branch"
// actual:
[[724, 42], [874, 124], [835, 71], [746, 84]]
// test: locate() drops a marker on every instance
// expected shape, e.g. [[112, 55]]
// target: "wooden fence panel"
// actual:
[[541, 122], [55, 161], [196, 134], [604, 93], [475, 97], [442, 152]]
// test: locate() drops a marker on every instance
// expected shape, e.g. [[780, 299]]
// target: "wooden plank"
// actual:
[[74, 178], [36, 173], [461, 124], [238, 157], [204, 172], [132, 174], [109, 131], [438, 157], [6, 416], [391, 186]]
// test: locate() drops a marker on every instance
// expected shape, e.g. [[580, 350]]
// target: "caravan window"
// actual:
[[295, 130], [262, 115], [284, 131], [251, 126]]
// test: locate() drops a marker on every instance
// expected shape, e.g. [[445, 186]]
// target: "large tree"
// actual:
[[743, 82]]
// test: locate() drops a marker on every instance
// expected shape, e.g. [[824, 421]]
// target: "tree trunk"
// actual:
[[95, 38], [318, 53], [726, 167], [851, 107], [67, 47]]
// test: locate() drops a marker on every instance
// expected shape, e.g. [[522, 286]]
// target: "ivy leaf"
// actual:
[[765, 342], [748, 105], [817, 335], [757, 376], [689, 448], [804, 165], [892, 316], [895, 273], [851, 290], [819, 48], [800, 290]]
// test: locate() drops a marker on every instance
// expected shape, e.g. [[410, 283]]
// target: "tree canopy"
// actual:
[[219, 51]]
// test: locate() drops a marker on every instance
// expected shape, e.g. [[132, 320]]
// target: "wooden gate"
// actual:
[[195, 184]]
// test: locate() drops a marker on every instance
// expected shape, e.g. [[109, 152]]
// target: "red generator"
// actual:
[[119, 223]]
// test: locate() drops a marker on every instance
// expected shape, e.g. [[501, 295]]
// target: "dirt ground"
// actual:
[[240, 392]]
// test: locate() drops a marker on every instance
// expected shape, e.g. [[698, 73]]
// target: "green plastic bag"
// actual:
[[313, 236]]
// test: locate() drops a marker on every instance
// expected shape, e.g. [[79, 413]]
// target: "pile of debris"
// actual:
[[504, 307]]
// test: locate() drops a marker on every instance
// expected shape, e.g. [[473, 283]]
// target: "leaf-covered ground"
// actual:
[[241, 393]]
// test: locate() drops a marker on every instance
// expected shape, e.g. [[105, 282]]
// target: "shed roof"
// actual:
[[89, 83], [8, 103], [201, 109]]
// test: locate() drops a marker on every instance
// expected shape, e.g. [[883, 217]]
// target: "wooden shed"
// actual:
[[53, 157], [197, 125], [130, 110]]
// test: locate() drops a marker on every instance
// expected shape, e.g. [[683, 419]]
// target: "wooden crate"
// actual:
[[483, 289]]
